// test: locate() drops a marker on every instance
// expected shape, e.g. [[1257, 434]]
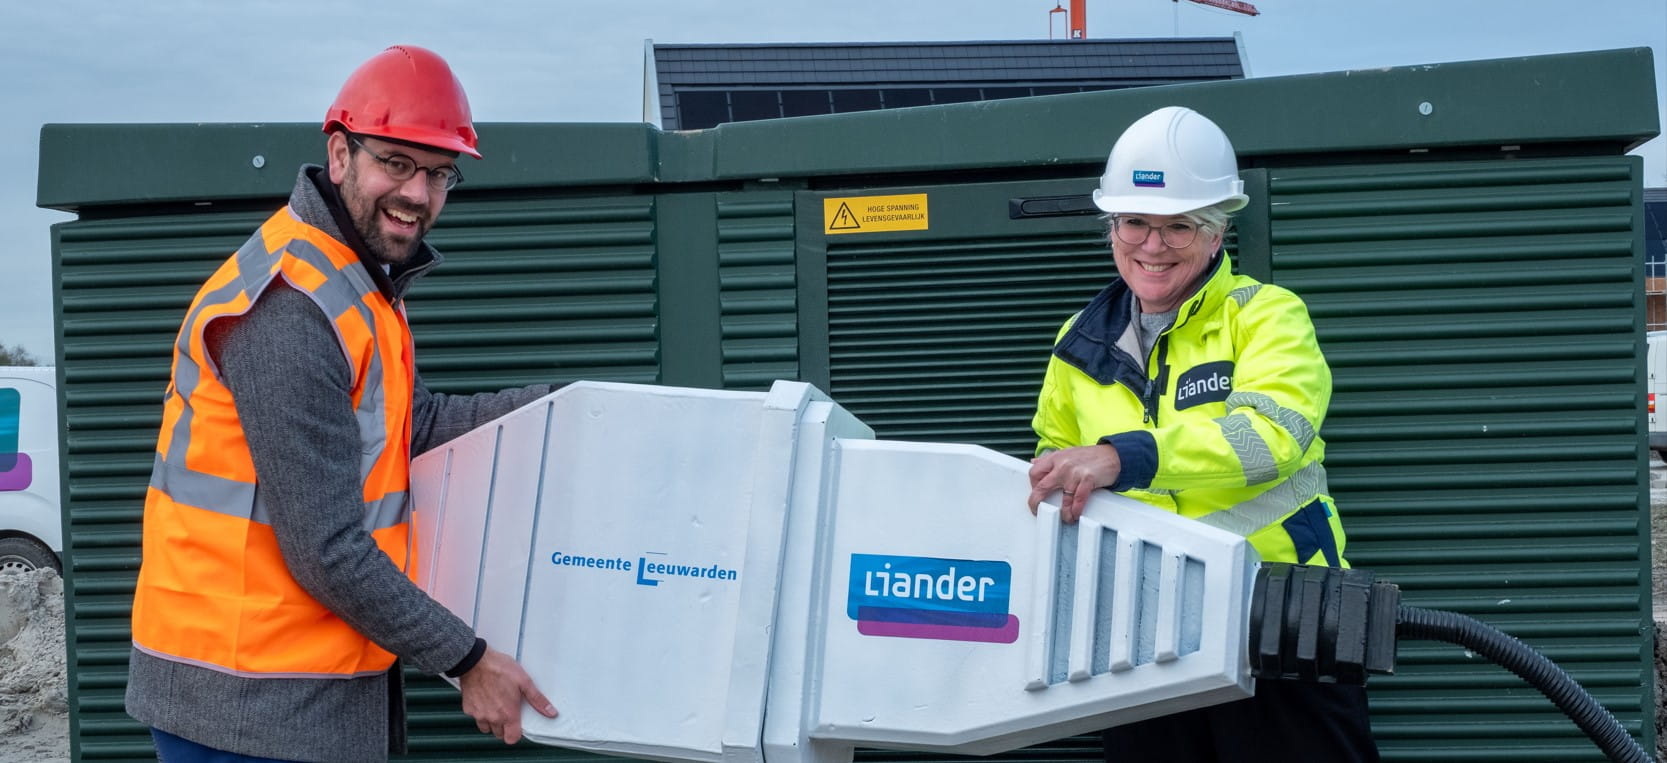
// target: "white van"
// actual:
[[1655, 391], [31, 529]]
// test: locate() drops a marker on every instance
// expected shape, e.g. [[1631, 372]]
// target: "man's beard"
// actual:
[[368, 220]]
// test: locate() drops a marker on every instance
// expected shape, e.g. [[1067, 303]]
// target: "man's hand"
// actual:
[[492, 694], [1076, 472]]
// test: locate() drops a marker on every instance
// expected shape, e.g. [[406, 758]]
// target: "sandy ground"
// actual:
[[34, 707], [34, 711]]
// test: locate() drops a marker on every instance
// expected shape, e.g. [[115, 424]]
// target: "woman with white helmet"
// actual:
[[1201, 392]]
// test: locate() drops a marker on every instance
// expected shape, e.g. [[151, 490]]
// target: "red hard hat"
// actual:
[[406, 93]]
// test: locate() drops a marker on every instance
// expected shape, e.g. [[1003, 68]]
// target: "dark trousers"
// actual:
[[173, 749], [1286, 722]]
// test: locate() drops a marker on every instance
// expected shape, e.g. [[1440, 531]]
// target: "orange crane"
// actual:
[[1077, 17], [1231, 5]]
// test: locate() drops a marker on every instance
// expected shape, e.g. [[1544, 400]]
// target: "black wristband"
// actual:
[[475, 653]]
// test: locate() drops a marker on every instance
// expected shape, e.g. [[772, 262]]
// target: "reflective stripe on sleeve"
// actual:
[[1248, 445], [1279, 500], [1289, 420]]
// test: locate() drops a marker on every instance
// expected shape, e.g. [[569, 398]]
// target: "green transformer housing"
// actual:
[[1468, 238]]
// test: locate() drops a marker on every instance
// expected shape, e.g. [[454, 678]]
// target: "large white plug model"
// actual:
[[703, 575]]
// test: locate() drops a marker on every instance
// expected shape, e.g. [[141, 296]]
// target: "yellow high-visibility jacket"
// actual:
[[1219, 423]]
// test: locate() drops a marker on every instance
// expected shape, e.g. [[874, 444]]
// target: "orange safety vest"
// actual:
[[213, 589]]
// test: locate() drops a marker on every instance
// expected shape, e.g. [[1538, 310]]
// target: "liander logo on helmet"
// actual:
[[1148, 179]]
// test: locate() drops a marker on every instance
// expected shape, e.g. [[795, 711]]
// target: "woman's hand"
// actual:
[[1076, 471]]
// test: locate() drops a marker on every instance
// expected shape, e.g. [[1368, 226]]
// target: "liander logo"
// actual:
[[1204, 383], [1148, 179], [925, 597]]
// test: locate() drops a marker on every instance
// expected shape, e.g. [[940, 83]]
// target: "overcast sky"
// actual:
[[82, 61]]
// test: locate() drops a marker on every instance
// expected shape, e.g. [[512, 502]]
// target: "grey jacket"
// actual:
[[291, 384]]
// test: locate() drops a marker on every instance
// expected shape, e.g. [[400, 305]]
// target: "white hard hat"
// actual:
[[1171, 161]]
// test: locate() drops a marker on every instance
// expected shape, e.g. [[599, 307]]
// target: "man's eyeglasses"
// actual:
[[400, 168], [1134, 231]]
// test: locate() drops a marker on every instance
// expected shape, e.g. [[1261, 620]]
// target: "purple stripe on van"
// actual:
[[19, 476]]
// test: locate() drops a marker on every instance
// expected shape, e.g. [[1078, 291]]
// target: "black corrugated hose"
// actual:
[[1517, 657], [1315, 623]]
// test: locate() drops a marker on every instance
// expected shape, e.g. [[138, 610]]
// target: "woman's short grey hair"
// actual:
[[1212, 219]]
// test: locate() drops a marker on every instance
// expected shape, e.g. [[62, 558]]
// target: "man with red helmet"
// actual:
[[273, 608]]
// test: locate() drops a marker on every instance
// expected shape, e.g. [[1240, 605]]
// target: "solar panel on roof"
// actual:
[[845, 101], [765, 81], [799, 103]]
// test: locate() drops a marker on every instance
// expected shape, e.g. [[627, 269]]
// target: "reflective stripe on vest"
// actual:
[[213, 588], [241, 500]]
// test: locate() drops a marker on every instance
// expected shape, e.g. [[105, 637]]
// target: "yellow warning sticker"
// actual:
[[873, 214]]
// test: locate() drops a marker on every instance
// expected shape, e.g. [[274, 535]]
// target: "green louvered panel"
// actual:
[[531, 291], [945, 338], [757, 289], [539, 290], [1481, 322]]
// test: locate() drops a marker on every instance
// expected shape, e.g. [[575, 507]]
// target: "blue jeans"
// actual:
[[173, 749]]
